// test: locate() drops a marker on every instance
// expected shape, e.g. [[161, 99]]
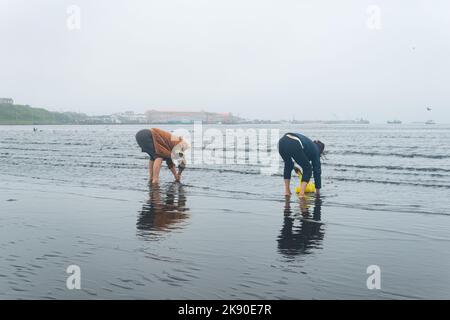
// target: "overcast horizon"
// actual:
[[307, 60]]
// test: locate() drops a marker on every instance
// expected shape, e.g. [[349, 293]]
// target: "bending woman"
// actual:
[[161, 146], [294, 147]]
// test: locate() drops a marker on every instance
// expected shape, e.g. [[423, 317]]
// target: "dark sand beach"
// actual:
[[80, 196]]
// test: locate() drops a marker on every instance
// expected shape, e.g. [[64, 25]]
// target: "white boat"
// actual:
[[430, 122]]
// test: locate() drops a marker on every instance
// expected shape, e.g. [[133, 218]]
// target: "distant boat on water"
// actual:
[[361, 121], [430, 122], [394, 122]]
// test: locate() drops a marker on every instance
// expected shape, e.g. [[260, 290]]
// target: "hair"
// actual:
[[321, 146]]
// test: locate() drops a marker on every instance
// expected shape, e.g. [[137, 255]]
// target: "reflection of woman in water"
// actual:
[[294, 240], [163, 211]]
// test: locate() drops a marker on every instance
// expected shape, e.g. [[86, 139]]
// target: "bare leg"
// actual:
[[150, 169], [156, 169], [287, 187], [175, 174], [302, 189]]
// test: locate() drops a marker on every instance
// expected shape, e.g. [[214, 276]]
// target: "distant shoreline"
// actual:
[[25, 115]]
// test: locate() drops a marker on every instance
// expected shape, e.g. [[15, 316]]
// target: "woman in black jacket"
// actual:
[[306, 153]]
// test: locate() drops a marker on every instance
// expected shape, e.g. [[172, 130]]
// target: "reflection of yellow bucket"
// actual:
[[310, 187]]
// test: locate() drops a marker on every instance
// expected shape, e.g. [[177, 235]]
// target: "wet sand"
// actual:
[[175, 242]]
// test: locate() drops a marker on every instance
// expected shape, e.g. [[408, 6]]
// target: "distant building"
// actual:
[[154, 116], [101, 119], [6, 101], [129, 117]]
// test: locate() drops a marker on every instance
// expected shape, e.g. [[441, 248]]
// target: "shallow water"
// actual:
[[80, 195]]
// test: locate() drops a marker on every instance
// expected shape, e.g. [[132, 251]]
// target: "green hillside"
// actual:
[[24, 114]]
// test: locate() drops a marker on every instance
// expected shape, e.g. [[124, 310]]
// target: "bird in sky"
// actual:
[[429, 109]]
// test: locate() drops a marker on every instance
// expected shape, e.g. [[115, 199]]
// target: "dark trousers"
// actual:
[[291, 150], [145, 141]]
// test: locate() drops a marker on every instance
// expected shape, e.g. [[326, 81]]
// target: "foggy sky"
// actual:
[[256, 58]]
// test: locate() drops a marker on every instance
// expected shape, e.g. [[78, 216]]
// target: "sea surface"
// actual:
[[79, 195]]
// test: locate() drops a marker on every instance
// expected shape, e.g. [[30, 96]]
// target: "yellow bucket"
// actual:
[[310, 187]]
